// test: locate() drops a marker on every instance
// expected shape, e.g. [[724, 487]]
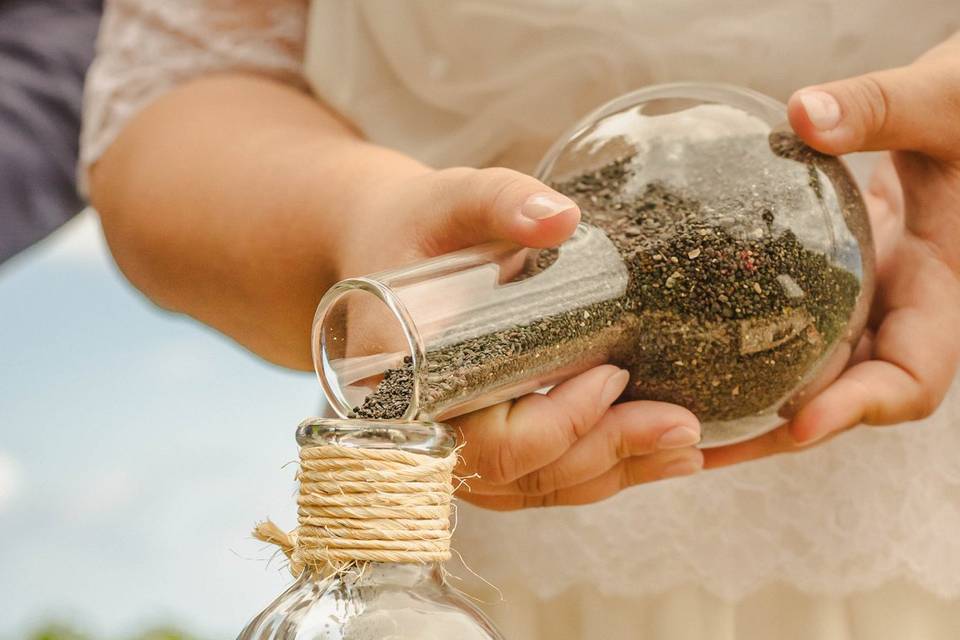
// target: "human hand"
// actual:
[[908, 356], [569, 446]]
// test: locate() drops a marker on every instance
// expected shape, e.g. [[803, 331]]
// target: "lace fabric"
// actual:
[[871, 506], [467, 82], [146, 48]]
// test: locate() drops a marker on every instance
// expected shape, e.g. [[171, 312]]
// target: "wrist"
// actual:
[[371, 196]]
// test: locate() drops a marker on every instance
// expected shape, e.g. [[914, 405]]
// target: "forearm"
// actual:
[[227, 199]]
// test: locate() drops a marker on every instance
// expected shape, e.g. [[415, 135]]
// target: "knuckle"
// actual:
[[575, 424], [501, 185], [444, 185], [873, 100], [499, 465], [861, 395], [783, 442], [625, 438], [498, 174], [533, 502], [625, 477], [453, 176], [617, 444], [632, 475], [544, 481], [440, 200], [533, 483], [567, 424], [623, 441]]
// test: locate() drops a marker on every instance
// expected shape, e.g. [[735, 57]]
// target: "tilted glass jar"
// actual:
[[373, 600], [452, 323], [725, 264]]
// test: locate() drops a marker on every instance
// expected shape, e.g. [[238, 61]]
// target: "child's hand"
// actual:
[[569, 446], [906, 361]]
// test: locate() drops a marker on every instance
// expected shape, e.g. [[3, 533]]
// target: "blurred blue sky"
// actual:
[[137, 449]]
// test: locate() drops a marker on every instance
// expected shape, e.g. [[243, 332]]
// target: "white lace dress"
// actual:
[[858, 538]]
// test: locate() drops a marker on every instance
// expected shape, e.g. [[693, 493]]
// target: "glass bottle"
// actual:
[[373, 600], [725, 264]]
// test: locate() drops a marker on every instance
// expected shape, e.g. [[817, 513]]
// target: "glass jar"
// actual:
[[372, 600], [725, 264]]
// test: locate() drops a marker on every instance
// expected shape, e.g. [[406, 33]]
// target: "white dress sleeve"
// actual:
[[145, 48]]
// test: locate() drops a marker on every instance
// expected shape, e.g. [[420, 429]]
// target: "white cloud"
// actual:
[[103, 493], [10, 480]]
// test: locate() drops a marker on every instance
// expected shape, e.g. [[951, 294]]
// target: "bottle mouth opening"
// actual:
[[360, 331], [413, 436]]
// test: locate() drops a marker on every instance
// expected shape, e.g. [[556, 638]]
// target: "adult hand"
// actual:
[[906, 360], [569, 446]]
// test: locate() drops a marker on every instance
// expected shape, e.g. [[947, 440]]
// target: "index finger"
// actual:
[[511, 439]]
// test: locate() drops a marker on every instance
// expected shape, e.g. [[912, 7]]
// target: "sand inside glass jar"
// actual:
[[744, 272]]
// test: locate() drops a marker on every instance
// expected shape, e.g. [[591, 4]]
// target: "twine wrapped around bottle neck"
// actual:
[[367, 505]]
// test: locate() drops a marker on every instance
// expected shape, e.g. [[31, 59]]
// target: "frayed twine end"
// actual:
[[268, 531]]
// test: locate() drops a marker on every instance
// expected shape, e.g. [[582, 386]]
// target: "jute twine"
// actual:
[[367, 505]]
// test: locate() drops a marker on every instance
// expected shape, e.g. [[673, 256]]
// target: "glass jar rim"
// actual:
[[413, 436], [399, 313]]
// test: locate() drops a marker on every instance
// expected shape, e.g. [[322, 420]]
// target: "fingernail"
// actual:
[[677, 437], [544, 205], [822, 109], [682, 467], [614, 387]]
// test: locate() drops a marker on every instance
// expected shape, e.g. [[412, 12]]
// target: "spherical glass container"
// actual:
[[750, 254], [725, 264], [373, 600]]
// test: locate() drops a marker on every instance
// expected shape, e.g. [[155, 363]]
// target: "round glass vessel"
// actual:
[[725, 264], [373, 600]]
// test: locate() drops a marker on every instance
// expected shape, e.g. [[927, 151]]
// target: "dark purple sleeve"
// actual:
[[45, 48]]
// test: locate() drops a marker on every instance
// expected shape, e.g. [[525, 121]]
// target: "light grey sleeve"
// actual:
[[146, 48]]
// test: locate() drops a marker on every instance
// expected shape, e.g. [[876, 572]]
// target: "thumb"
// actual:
[[915, 108], [471, 206]]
